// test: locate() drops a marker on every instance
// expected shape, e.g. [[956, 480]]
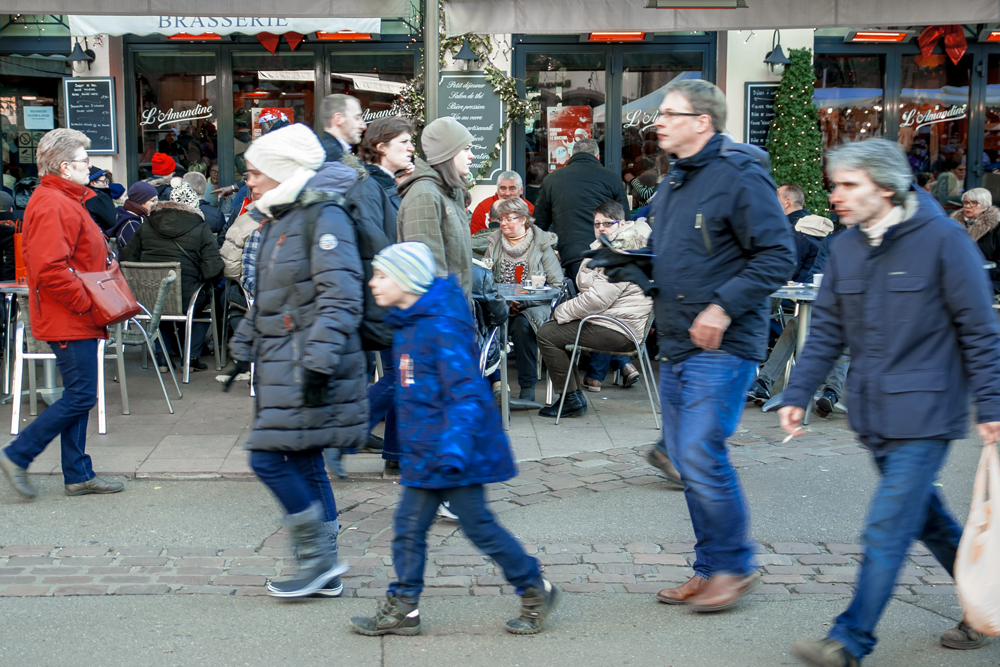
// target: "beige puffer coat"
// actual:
[[232, 246], [623, 301]]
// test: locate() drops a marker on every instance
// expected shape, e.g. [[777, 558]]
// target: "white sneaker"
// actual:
[[446, 513]]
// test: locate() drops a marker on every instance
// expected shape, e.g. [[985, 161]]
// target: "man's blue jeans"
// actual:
[[906, 507], [601, 363], [67, 417], [414, 516], [702, 399], [296, 479]]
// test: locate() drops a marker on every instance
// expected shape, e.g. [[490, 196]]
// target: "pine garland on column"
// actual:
[[794, 141]]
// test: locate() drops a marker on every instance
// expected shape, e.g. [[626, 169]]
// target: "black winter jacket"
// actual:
[[567, 201], [916, 313], [806, 247], [306, 316], [102, 209], [719, 236], [374, 207], [177, 233]]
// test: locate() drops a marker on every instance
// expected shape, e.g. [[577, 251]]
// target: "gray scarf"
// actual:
[[517, 252]]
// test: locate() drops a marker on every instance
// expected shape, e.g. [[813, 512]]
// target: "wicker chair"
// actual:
[[134, 333], [27, 348], [640, 353], [145, 278]]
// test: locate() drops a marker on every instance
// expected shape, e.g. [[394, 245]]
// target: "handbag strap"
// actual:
[[189, 256]]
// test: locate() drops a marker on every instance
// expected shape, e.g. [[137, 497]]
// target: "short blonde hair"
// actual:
[[514, 205], [980, 196], [59, 146]]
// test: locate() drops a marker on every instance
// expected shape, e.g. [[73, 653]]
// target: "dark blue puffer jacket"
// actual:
[[448, 424]]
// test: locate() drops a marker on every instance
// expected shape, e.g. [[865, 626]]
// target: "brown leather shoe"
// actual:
[[665, 465], [723, 591], [681, 594]]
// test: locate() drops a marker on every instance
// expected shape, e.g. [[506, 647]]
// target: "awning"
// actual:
[[85, 26], [580, 16], [246, 8]]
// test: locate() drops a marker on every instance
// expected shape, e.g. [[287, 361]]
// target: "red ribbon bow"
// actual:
[[954, 41]]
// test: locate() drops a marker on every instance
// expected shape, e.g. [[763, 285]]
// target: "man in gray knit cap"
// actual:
[[433, 208]]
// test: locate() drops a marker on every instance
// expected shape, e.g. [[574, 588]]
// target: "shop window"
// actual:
[[261, 81], [375, 79], [991, 143], [30, 105], [570, 91], [850, 96], [644, 78], [177, 97]]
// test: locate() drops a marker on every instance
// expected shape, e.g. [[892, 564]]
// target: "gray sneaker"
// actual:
[[962, 637], [17, 476], [393, 617], [823, 653], [93, 485], [662, 462]]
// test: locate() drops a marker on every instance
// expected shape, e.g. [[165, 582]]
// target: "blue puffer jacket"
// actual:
[[917, 314], [449, 427]]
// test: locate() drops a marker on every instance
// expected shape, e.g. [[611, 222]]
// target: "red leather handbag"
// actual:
[[113, 301]]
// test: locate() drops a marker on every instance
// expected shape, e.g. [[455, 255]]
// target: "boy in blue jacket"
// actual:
[[450, 438]]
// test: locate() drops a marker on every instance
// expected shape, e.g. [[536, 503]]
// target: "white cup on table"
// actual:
[[538, 282], [817, 279]]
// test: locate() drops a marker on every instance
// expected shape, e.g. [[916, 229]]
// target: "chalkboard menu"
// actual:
[[471, 100], [759, 111], [90, 108]]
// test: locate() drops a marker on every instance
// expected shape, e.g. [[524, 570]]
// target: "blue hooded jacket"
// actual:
[[447, 422]]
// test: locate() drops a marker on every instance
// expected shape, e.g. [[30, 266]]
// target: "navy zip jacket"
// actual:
[[448, 423], [917, 314], [719, 236]]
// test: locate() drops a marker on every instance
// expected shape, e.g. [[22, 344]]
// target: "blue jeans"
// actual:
[[414, 516], [906, 507], [702, 399], [382, 405], [67, 417], [297, 479], [601, 363]]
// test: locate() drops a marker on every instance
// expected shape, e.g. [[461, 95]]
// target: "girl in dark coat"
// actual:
[[451, 441], [302, 333]]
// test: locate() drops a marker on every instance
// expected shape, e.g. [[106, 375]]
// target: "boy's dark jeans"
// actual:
[[415, 514]]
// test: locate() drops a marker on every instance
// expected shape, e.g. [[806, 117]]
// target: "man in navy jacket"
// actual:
[[722, 246], [904, 288]]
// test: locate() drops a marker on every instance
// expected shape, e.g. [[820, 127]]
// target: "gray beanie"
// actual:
[[443, 139], [197, 181]]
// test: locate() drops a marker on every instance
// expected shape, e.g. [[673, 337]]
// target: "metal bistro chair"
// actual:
[[145, 335], [642, 356], [27, 348], [145, 278]]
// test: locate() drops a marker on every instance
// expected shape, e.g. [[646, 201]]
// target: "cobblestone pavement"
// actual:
[[457, 568]]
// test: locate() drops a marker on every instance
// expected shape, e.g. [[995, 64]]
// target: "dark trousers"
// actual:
[[414, 516], [600, 364], [525, 350], [297, 479], [67, 417], [554, 337], [382, 405], [906, 507]]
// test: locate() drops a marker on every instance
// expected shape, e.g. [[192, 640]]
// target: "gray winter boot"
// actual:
[[334, 587], [316, 552]]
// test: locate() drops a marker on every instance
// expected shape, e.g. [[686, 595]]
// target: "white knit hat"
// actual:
[[283, 152]]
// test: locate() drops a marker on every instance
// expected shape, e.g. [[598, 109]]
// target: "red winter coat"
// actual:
[[60, 235]]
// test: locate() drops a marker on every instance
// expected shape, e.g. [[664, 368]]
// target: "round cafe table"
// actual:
[[514, 292], [803, 296]]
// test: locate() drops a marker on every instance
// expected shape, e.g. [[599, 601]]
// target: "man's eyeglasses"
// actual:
[[606, 225], [669, 114]]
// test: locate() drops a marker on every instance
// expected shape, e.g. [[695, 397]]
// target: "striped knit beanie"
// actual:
[[410, 264]]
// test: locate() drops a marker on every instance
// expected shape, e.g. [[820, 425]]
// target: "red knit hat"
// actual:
[[163, 164]]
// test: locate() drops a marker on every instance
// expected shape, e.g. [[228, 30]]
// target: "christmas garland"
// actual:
[[412, 103]]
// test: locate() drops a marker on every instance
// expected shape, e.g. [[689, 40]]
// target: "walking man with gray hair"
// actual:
[[904, 288], [509, 185]]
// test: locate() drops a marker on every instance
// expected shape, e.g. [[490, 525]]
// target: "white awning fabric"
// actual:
[[580, 16], [85, 26], [245, 8]]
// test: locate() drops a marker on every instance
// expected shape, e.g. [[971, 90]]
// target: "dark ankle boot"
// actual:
[[575, 405], [393, 617], [537, 603]]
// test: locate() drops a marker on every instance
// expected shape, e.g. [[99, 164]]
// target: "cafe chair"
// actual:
[[144, 278], [28, 349], [640, 353]]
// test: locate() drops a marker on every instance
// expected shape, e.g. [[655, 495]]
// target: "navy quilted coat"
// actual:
[[448, 424], [307, 314]]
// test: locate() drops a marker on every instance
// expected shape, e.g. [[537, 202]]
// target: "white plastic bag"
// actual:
[[977, 566]]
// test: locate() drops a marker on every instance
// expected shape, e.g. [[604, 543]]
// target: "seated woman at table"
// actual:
[[980, 218], [598, 296], [517, 250]]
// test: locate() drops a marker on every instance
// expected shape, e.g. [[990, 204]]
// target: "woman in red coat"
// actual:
[[60, 238]]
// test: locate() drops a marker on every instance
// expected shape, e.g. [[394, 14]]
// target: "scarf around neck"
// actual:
[[518, 251], [286, 192]]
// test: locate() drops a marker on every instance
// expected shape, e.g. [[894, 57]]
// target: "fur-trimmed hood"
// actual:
[[172, 220], [814, 225], [632, 235], [981, 226]]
